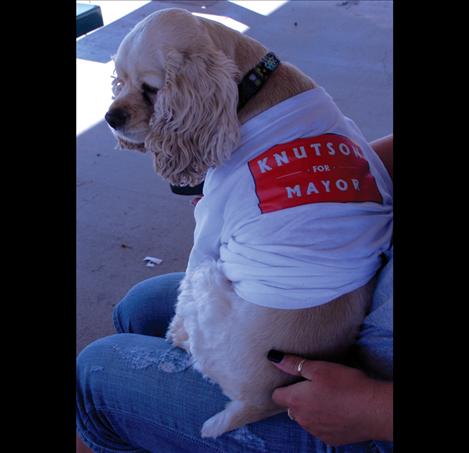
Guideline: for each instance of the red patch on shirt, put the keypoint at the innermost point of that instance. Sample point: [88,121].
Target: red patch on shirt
[323,169]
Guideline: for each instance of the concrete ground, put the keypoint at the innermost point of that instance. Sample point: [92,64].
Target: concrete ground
[125,212]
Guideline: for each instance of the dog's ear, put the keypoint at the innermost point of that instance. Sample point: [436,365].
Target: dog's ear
[195,123]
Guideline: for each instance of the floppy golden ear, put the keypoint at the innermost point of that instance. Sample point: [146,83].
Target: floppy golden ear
[195,123]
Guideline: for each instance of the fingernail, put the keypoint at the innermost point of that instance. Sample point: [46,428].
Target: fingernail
[275,356]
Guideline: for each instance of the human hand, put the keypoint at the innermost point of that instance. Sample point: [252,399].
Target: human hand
[337,404]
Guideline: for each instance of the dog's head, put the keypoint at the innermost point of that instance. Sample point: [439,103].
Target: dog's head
[176,95]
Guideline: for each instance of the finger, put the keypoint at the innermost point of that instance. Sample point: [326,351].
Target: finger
[289,364]
[281,396]
[291,395]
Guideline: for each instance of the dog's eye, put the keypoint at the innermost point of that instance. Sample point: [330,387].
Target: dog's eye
[148,93]
[117,85]
[148,89]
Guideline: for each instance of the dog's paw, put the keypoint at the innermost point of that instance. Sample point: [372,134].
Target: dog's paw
[181,341]
[214,426]
[169,336]
[235,415]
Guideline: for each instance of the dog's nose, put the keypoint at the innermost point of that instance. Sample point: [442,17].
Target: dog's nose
[116,118]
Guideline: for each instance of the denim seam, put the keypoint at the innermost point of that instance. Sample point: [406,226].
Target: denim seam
[98,448]
[84,431]
[167,428]
[116,321]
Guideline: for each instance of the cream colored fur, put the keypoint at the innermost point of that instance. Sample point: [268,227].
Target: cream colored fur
[189,125]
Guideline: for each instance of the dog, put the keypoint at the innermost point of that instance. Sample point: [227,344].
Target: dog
[176,96]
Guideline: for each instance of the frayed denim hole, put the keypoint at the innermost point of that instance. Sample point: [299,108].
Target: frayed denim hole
[248,439]
[137,357]
[174,360]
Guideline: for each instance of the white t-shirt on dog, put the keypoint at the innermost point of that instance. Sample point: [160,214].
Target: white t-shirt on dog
[301,212]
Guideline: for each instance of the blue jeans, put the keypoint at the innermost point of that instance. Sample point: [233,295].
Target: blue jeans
[137,393]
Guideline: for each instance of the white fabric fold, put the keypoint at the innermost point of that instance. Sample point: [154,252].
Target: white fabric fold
[305,255]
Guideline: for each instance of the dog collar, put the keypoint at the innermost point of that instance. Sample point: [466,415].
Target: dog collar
[255,79]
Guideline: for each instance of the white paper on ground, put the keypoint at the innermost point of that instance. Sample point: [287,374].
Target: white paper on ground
[151,261]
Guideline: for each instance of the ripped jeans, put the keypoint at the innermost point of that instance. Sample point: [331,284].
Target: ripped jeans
[137,393]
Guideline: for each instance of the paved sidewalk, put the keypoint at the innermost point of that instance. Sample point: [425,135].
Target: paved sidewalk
[125,212]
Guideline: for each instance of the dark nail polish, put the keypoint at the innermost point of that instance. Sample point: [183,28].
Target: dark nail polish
[275,356]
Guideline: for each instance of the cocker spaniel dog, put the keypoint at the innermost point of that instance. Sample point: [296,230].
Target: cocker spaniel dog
[296,207]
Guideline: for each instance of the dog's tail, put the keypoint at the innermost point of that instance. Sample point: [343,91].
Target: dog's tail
[210,276]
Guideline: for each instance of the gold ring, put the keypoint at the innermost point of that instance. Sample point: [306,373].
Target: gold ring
[290,416]
[300,366]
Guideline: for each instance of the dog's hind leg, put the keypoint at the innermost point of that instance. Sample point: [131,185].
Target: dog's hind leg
[235,415]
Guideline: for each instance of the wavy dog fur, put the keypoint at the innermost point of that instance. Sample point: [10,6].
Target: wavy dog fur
[195,125]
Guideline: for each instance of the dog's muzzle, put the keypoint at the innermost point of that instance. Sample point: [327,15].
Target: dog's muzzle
[117,118]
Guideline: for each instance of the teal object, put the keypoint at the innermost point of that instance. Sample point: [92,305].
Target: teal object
[89,18]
